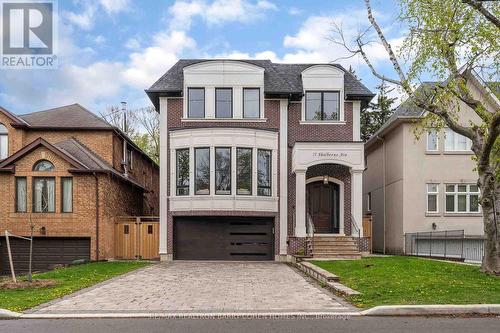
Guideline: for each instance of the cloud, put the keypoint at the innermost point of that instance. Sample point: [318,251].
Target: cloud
[294,11]
[132,44]
[85,18]
[115,6]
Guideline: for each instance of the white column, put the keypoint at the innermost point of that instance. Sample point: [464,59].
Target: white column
[164,156]
[300,203]
[357,197]
[283,176]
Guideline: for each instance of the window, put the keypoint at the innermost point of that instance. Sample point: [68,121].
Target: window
[462,198]
[4,142]
[264,172]
[43,165]
[150,229]
[251,102]
[456,142]
[66,194]
[432,140]
[21,188]
[432,198]
[182,162]
[44,195]
[130,159]
[322,105]
[244,171]
[126,229]
[222,170]
[202,171]
[369,202]
[196,102]
[223,102]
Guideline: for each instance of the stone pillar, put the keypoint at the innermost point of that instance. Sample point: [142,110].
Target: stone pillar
[357,198]
[300,203]
[164,256]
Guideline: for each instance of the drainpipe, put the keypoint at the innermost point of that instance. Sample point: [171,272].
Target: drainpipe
[96,216]
[383,188]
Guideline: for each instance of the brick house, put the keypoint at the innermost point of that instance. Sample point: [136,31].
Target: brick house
[259,160]
[64,168]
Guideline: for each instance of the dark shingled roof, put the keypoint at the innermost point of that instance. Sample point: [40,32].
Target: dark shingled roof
[278,78]
[69,116]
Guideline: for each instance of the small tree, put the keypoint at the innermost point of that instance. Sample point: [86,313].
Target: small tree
[377,114]
[451,40]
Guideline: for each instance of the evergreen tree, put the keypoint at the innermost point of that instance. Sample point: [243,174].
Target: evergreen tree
[377,113]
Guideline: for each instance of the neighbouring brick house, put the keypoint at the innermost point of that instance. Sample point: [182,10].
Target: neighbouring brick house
[64,169]
[254,154]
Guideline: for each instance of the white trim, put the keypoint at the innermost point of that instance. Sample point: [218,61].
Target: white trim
[164,174]
[300,203]
[341,120]
[357,197]
[226,120]
[356,120]
[283,148]
[326,122]
[427,141]
[307,154]
[427,193]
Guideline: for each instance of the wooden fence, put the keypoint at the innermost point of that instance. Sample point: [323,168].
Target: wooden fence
[137,237]
[367,230]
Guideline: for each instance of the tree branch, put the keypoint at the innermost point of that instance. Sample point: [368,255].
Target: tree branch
[477,5]
[494,132]
[370,65]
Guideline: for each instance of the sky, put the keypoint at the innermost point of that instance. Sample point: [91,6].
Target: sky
[111,50]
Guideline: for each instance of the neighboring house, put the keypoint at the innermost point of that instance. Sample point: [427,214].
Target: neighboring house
[249,150]
[64,171]
[420,185]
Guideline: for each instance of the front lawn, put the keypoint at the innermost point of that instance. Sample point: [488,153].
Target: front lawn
[410,280]
[68,281]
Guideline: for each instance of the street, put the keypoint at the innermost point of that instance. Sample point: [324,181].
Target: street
[359,324]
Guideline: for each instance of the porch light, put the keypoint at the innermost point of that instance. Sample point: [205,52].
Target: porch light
[325,180]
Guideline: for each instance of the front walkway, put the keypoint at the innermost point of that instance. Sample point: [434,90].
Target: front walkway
[203,287]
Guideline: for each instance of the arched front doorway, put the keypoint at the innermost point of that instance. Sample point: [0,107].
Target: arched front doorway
[323,205]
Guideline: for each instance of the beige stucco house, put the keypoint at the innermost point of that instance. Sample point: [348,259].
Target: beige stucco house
[426,184]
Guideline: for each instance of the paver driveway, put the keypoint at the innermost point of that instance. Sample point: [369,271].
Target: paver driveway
[203,287]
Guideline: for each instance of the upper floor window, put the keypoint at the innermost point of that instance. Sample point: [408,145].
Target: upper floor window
[202,171]
[21,190]
[251,102]
[462,198]
[456,142]
[432,198]
[4,142]
[43,165]
[323,105]
[182,171]
[244,171]
[196,102]
[432,140]
[223,102]
[130,159]
[264,172]
[66,194]
[44,195]
[222,170]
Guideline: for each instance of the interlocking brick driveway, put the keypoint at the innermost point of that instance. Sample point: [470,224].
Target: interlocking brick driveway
[203,287]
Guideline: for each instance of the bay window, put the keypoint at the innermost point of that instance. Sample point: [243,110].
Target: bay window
[182,171]
[202,171]
[44,195]
[323,105]
[244,171]
[222,170]
[264,172]
[462,198]
[432,198]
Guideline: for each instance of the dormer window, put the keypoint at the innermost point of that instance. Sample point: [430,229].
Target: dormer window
[323,105]
[223,102]
[4,142]
[196,103]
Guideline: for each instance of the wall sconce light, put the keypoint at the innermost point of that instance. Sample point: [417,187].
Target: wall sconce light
[434,226]
[325,180]
[43,231]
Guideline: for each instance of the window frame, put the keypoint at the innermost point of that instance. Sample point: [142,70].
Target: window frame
[40,161]
[251,171]
[33,196]
[62,195]
[427,141]
[209,170]
[230,170]
[429,193]
[369,202]
[215,99]
[6,135]
[188,104]
[177,186]
[270,187]
[243,102]
[467,194]
[455,138]
[130,158]
[322,92]
[17,195]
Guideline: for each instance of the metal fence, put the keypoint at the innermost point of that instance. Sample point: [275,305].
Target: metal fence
[449,244]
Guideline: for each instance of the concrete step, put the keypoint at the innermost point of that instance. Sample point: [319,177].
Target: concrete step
[329,256]
[334,244]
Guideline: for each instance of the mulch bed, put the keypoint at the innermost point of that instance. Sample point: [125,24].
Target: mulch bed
[25,284]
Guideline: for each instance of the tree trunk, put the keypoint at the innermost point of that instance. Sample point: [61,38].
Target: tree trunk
[490,204]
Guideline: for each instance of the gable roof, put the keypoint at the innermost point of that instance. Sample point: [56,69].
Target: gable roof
[72,116]
[15,119]
[279,79]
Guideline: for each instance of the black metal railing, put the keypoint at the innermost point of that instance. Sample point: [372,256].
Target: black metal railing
[310,235]
[447,244]
[356,231]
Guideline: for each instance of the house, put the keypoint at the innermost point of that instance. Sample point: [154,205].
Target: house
[63,171]
[427,184]
[254,154]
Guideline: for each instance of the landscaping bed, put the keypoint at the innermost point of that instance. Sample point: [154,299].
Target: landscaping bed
[63,281]
[410,280]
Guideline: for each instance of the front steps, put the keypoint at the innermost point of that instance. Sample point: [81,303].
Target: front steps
[333,247]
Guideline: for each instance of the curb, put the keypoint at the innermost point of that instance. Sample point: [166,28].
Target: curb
[433,310]
[6,314]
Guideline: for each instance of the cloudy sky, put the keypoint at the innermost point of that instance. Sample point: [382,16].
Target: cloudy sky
[111,50]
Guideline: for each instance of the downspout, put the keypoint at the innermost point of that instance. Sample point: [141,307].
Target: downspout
[96,216]
[383,185]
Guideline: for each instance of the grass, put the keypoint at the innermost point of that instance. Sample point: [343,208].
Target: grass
[68,281]
[410,280]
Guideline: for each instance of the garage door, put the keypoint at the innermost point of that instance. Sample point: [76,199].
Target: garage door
[47,251]
[223,238]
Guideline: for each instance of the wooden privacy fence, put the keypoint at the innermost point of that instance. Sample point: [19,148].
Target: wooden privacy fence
[367,230]
[137,237]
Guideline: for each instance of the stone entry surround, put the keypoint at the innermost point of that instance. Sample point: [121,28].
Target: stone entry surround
[203,287]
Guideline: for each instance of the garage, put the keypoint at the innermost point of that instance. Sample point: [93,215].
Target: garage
[224,238]
[47,251]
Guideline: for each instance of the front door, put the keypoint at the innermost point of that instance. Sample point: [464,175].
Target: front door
[323,204]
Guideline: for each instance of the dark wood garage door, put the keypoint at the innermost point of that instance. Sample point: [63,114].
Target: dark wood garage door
[47,251]
[223,238]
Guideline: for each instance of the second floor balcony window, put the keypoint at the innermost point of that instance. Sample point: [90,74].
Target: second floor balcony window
[322,105]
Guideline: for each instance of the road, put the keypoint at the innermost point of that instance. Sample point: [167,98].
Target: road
[360,324]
